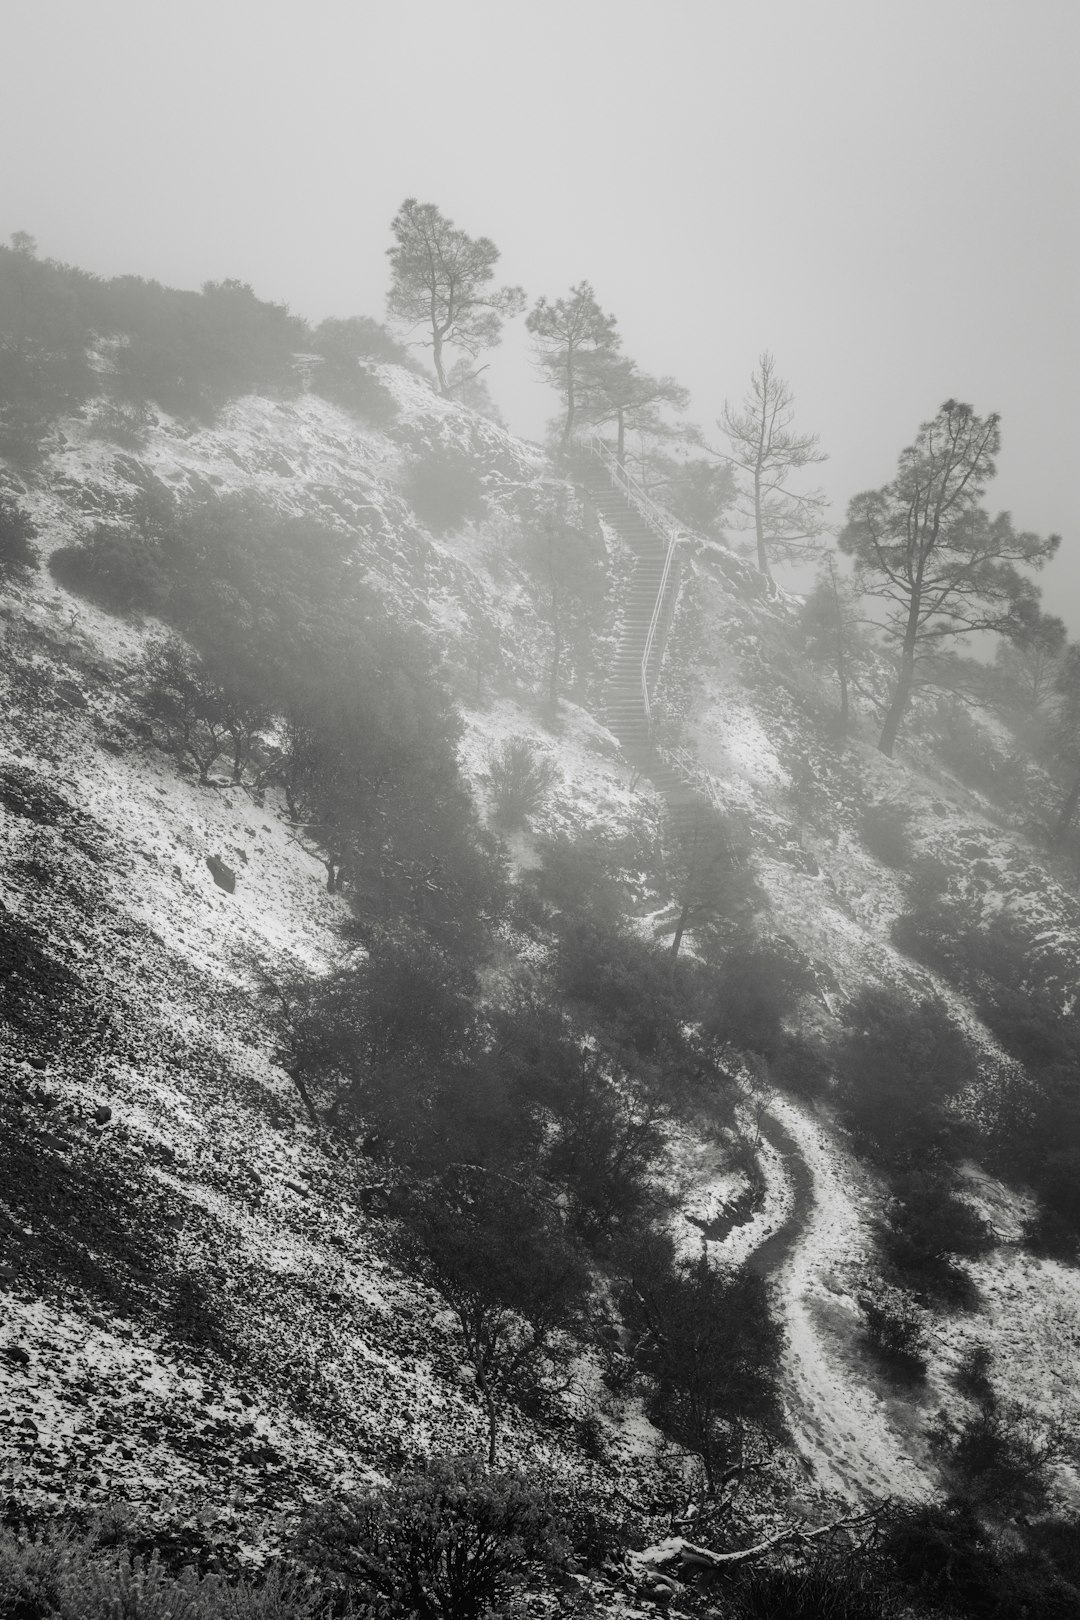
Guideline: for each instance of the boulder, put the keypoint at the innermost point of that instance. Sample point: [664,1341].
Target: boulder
[223,875]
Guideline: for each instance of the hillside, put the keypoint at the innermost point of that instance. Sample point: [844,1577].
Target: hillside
[206,1316]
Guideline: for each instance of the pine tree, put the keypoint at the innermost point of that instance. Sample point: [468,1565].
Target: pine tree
[924,545]
[441,281]
[633,402]
[575,341]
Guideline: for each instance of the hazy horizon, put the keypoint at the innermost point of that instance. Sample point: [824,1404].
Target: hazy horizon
[886,197]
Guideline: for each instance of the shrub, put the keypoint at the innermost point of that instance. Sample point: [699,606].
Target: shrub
[825,1586]
[445,491]
[114,568]
[360,338]
[44,370]
[126,568]
[750,993]
[501,1259]
[135,1589]
[925,1225]
[1001,1456]
[122,421]
[17,555]
[973,1374]
[32,1572]
[897,1066]
[192,352]
[450,1542]
[895,1333]
[585,877]
[60,1575]
[198,716]
[521,779]
[885,834]
[343,376]
[710,1346]
[970,751]
[947,1558]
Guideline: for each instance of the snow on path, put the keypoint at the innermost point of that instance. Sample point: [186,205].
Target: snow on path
[841,1429]
[809,1236]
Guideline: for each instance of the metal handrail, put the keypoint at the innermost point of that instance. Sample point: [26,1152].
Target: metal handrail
[663,525]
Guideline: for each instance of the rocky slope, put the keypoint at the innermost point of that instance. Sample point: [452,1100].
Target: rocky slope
[200,1313]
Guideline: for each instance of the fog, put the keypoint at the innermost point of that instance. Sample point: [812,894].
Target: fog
[885,195]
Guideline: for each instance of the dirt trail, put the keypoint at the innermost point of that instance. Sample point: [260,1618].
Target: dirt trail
[772,1252]
[841,1428]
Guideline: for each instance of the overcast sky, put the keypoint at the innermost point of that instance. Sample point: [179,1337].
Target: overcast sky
[886,193]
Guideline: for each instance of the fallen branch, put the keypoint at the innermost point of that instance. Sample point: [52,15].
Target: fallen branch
[682,1557]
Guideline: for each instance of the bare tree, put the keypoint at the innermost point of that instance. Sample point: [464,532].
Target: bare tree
[441,280]
[924,546]
[766,450]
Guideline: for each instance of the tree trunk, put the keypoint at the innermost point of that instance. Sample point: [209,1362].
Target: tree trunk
[492,1417]
[568,425]
[1067,811]
[436,355]
[296,1076]
[620,445]
[897,709]
[759,527]
[680,930]
[905,681]
[841,649]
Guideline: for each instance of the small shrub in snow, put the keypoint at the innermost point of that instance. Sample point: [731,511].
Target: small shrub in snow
[344,378]
[445,491]
[709,1346]
[897,1065]
[970,750]
[453,1542]
[122,421]
[821,1586]
[973,1374]
[61,1576]
[895,1333]
[949,1561]
[126,568]
[521,779]
[925,1225]
[1001,1456]
[198,716]
[885,834]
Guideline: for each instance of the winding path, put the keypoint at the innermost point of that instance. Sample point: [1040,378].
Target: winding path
[841,1429]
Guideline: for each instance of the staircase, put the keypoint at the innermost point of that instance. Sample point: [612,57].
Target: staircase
[653,536]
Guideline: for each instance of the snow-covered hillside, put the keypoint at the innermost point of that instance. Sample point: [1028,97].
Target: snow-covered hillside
[254,1341]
